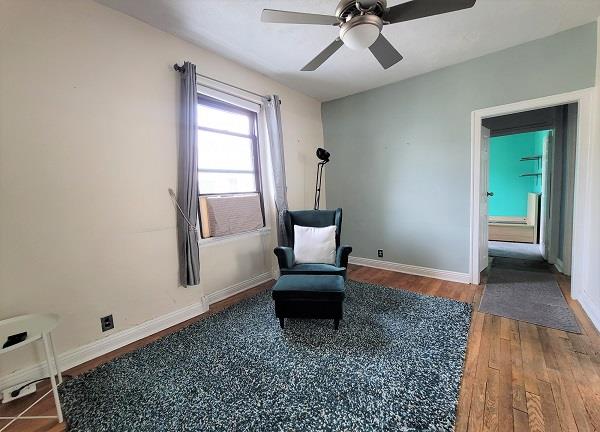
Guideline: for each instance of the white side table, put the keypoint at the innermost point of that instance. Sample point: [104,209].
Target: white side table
[38,327]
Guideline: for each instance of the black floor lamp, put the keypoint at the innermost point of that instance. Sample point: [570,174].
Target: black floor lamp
[323,156]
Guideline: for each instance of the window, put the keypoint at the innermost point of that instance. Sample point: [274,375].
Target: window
[228,169]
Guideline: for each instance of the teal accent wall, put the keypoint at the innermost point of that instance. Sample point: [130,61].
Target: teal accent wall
[510,190]
[401,153]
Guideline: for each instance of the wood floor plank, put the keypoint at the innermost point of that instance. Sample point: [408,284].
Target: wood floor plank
[549,411]
[529,359]
[494,361]
[581,343]
[505,331]
[466,293]
[468,381]
[588,371]
[401,281]
[477,294]
[588,383]
[456,291]
[540,362]
[490,413]
[514,331]
[505,405]
[438,288]
[571,390]
[534,410]
[557,333]
[582,418]
[479,388]
[561,401]
[547,352]
[521,421]
[519,399]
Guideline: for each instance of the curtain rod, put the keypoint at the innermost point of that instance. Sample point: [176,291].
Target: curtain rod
[181,69]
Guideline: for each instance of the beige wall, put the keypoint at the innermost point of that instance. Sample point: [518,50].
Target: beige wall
[88,135]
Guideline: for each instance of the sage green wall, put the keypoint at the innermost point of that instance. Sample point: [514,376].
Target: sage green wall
[509,188]
[401,153]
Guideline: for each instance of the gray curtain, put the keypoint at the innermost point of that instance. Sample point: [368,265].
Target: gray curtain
[273,117]
[187,180]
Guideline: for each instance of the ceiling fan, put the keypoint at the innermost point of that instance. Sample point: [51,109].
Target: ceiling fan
[361,21]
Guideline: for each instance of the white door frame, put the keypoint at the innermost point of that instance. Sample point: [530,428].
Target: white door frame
[583,171]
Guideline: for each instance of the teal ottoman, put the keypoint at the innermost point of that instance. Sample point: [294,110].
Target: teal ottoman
[309,296]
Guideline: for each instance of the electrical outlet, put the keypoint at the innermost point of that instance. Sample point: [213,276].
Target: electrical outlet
[380,253]
[107,323]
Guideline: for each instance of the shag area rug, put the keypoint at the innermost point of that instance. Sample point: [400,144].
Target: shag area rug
[395,364]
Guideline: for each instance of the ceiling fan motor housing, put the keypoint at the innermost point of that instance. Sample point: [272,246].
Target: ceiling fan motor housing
[347,9]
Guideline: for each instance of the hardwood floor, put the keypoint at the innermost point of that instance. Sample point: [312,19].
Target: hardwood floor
[517,376]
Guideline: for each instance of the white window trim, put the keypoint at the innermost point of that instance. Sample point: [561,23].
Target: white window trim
[208,88]
[253,104]
[264,231]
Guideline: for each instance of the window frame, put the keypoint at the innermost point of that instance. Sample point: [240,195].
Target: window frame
[203,99]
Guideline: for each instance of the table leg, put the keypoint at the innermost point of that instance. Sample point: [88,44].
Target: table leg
[52,378]
[56,365]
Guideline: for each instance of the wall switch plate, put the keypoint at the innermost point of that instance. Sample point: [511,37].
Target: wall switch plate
[107,323]
[27,390]
[380,253]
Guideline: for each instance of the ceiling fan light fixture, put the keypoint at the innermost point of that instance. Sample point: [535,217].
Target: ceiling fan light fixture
[361,31]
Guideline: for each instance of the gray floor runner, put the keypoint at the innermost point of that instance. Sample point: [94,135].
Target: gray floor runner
[525,295]
[520,264]
[524,251]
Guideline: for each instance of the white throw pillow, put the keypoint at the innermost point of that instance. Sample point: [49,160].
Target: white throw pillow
[314,245]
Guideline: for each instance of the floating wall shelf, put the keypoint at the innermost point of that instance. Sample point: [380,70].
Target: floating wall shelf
[530,158]
[538,159]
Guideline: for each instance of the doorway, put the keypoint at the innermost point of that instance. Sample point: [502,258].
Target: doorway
[580,198]
[528,158]
[517,173]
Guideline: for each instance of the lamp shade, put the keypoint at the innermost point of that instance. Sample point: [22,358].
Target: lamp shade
[323,154]
[361,31]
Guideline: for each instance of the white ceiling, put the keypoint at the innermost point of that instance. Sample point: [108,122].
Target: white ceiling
[233,29]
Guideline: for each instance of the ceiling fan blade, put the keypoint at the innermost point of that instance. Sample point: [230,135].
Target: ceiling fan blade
[384,52]
[323,55]
[423,8]
[286,17]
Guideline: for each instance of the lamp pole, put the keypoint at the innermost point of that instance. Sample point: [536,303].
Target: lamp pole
[324,156]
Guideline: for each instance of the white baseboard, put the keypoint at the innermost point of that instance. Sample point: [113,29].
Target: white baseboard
[114,341]
[107,344]
[413,270]
[591,309]
[239,287]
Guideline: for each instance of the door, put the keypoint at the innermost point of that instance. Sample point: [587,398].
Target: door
[484,194]
[545,225]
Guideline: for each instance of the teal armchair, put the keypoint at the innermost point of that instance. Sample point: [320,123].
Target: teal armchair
[318,219]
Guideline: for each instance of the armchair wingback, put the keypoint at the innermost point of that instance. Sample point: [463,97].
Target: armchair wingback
[318,219]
